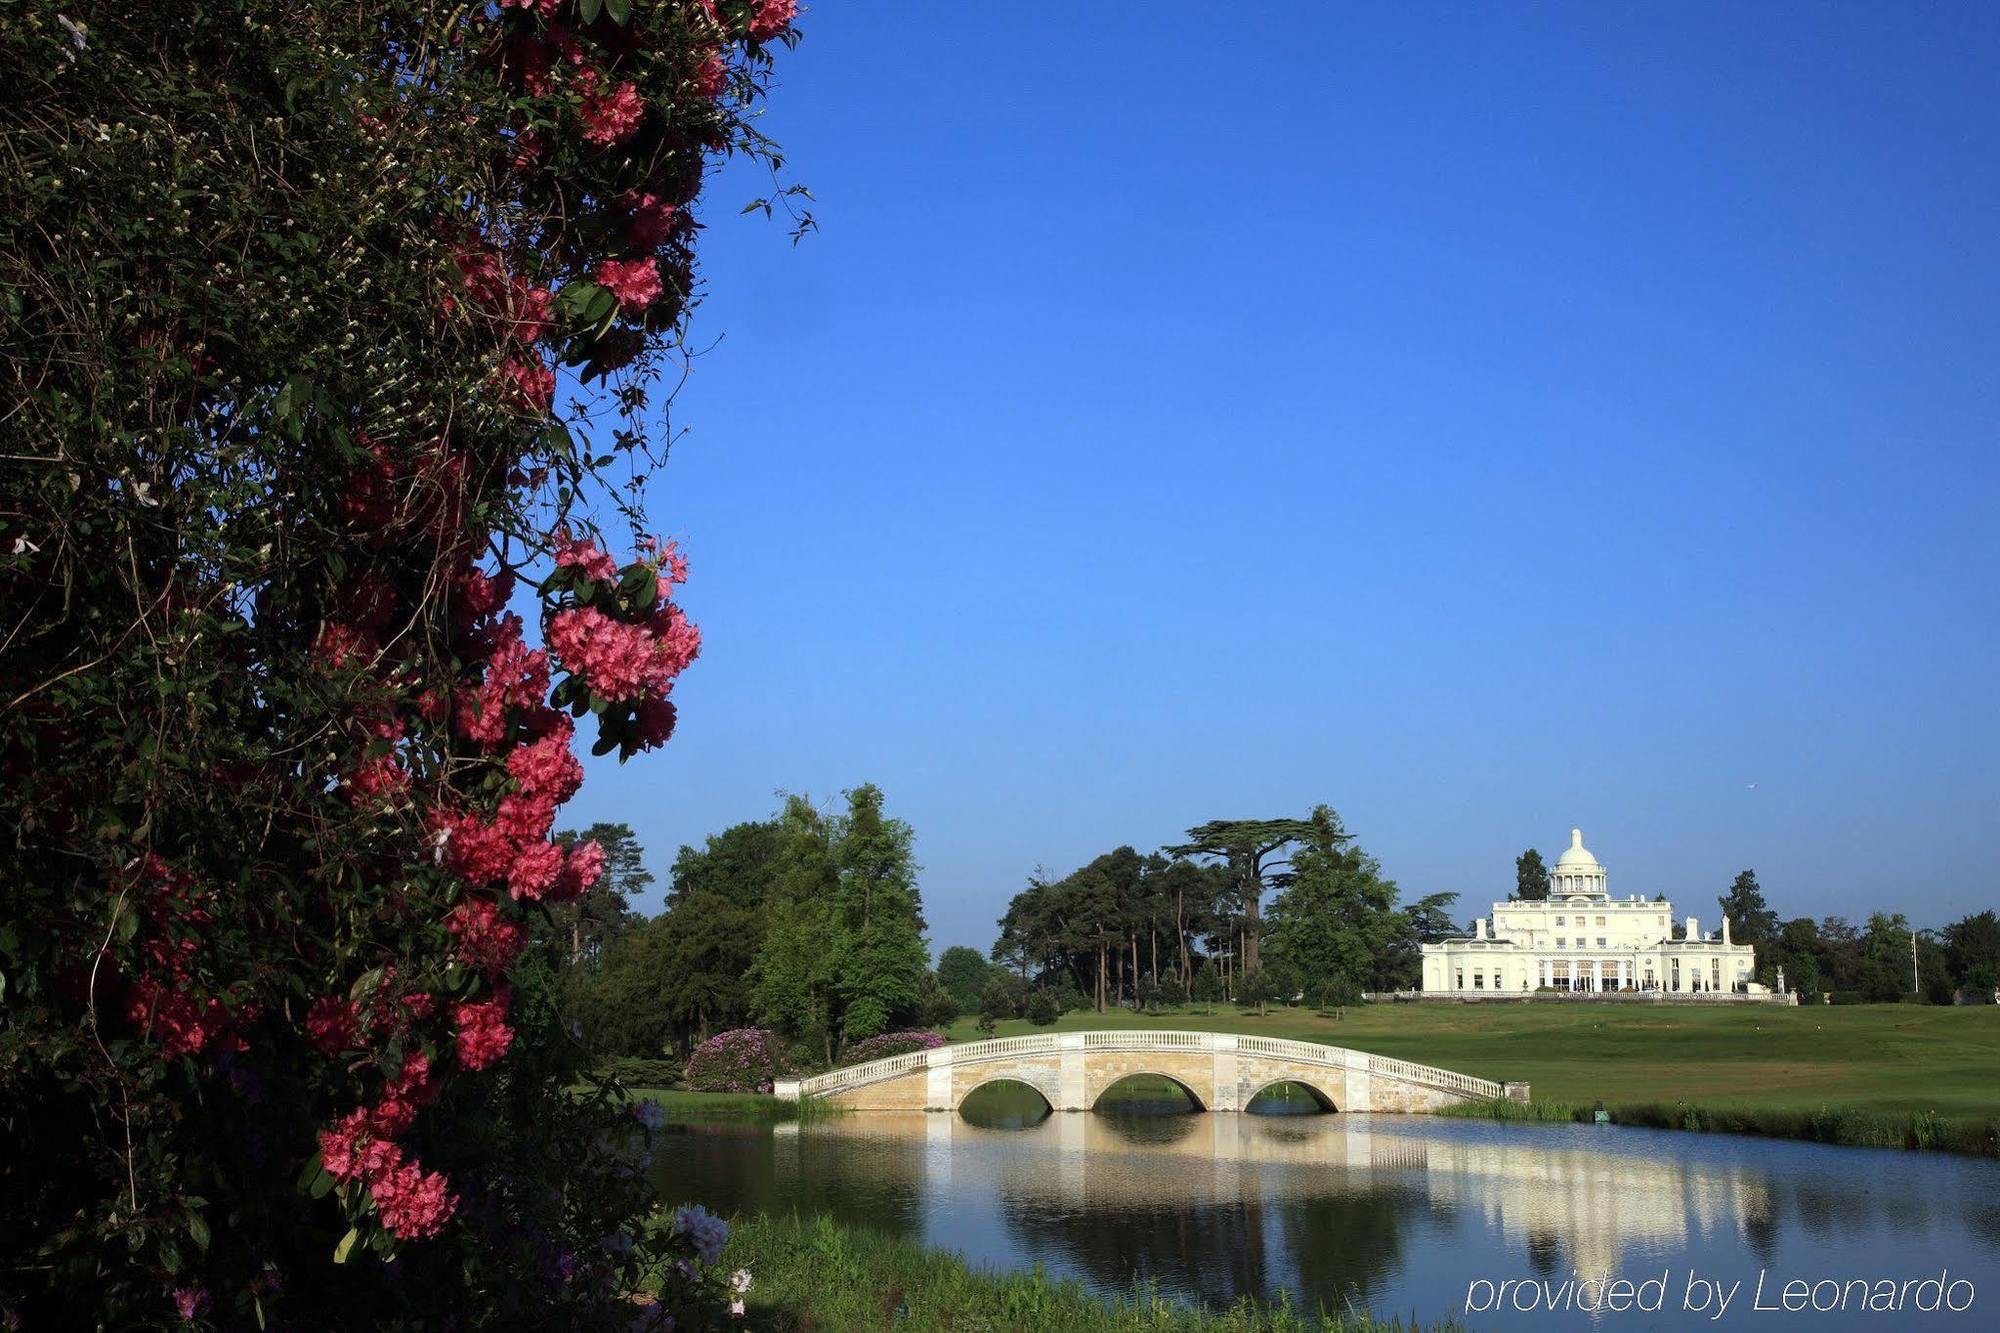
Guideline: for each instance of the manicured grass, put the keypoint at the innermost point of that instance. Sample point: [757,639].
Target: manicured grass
[1891,1060]
[1974,1135]
[753,1105]
[814,1274]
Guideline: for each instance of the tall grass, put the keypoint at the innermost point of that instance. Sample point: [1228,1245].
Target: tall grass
[815,1274]
[1845,1126]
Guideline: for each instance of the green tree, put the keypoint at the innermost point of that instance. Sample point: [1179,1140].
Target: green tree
[1043,1010]
[996,1003]
[1207,988]
[963,973]
[739,864]
[1797,952]
[1336,918]
[883,955]
[1886,957]
[1531,877]
[1972,950]
[936,1006]
[1751,920]
[1249,848]
[844,957]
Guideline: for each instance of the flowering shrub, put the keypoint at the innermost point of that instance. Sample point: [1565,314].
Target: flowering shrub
[890,1043]
[740,1060]
[306,591]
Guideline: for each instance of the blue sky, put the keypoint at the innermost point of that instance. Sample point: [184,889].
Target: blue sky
[1482,419]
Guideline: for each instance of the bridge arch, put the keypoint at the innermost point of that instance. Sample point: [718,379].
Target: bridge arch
[1002,1074]
[1319,1094]
[1105,1082]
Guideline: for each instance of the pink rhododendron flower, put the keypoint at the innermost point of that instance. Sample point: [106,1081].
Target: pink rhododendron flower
[612,117]
[341,645]
[657,716]
[582,867]
[528,385]
[635,282]
[351,1151]
[485,594]
[414,1203]
[583,554]
[546,767]
[534,870]
[768,18]
[332,1024]
[712,77]
[483,1034]
[529,312]
[487,939]
[617,659]
[652,219]
[517,678]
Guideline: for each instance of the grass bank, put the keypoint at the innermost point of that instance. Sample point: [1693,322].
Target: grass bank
[1891,1061]
[1848,1127]
[814,1274]
[684,1105]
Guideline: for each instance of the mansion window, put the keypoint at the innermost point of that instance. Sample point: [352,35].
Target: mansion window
[1559,921]
[1600,921]
[1600,938]
[1561,943]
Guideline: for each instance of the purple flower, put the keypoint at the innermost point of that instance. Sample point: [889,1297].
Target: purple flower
[191,1302]
[708,1232]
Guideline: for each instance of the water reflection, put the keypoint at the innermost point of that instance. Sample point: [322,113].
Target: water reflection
[1390,1213]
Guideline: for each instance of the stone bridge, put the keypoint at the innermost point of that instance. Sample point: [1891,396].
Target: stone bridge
[1218,1071]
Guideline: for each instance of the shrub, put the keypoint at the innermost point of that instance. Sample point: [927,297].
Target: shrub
[288,286]
[884,1044]
[638,1071]
[1042,1007]
[740,1060]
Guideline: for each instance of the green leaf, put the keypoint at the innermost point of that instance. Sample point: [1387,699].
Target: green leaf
[587,10]
[601,306]
[575,297]
[198,1229]
[619,10]
[341,1250]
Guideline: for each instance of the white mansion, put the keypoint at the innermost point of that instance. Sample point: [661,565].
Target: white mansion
[1582,939]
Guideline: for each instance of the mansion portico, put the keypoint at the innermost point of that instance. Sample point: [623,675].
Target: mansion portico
[1582,939]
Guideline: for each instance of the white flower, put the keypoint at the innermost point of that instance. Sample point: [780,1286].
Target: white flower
[651,1114]
[739,1281]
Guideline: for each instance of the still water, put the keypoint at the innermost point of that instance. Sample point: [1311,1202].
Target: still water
[1387,1213]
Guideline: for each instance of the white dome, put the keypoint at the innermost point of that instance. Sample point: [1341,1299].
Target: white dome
[1578,857]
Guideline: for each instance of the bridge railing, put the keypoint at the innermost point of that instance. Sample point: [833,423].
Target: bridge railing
[1451,1081]
[1048,1043]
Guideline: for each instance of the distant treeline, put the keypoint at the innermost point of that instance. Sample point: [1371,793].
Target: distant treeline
[810,923]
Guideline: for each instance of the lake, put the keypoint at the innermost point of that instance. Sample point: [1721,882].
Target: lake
[1388,1213]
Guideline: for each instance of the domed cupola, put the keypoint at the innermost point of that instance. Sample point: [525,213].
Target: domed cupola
[1577,873]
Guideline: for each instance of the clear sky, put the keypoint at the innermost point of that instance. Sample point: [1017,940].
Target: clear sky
[1481,418]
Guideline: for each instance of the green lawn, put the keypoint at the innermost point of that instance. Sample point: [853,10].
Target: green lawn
[681,1103]
[1872,1058]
